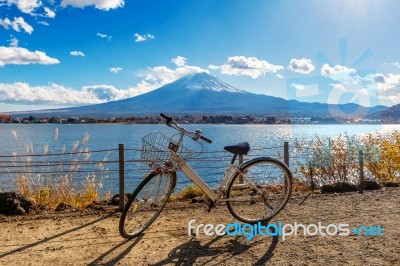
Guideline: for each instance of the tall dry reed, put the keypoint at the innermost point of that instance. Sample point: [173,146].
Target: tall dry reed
[58,176]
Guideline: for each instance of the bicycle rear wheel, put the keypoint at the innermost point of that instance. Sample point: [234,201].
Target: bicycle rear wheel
[146,203]
[260,191]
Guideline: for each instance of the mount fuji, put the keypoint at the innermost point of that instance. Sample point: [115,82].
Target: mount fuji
[202,93]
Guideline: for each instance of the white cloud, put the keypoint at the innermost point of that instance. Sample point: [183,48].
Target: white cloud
[34,8]
[179,61]
[249,66]
[305,90]
[299,87]
[339,87]
[302,66]
[142,38]
[76,53]
[364,92]
[25,6]
[17,24]
[20,93]
[49,13]
[339,73]
[53,94]
[280,76]
[43,23]
[341,92]
[106,93]
[395,64]
[13,41]
[388,87]
[371,89]
[213,67]
[115,69]
[99,4]
[336,70]
[22,56]
[103,93]
[104,36]
[162,75]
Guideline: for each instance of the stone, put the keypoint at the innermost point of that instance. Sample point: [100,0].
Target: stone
[339,187]
[369,185]
[198,200]
[115,199]
[390,184]
[12,203]
[63,207]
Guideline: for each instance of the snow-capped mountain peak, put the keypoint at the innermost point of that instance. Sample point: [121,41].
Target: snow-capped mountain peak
[204,81]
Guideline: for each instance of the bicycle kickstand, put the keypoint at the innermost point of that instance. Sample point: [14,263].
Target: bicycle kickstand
[208,204]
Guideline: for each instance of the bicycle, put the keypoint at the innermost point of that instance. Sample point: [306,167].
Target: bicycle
[254,191]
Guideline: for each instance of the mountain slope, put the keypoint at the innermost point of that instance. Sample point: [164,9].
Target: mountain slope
[205,94]
[391,114]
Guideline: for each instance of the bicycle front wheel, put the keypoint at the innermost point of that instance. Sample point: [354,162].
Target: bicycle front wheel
[259,191]
[146,203]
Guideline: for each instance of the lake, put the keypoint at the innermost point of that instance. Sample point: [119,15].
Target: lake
[103,140]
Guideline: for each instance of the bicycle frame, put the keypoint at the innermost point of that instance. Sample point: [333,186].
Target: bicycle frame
[192,175]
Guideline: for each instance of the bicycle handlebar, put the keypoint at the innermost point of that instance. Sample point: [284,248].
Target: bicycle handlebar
[171,122]
[209,141]
[168,118]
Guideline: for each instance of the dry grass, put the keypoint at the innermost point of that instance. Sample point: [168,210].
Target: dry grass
[49,184]
[189,192]
[300,185]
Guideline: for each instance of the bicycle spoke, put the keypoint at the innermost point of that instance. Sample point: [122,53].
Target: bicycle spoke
[146,203]
[260,191]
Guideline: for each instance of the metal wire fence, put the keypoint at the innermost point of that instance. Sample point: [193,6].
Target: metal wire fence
[121,169]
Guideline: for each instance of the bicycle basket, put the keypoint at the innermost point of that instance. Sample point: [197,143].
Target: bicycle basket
[155,149]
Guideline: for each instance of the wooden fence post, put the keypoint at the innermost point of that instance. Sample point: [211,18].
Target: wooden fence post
[311,175]
[361,165]
[286,152]
[121,152]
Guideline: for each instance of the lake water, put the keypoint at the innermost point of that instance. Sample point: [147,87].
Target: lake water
[103,142]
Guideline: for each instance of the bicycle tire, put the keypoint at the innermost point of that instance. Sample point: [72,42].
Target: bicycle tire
[270,176]
[136,218]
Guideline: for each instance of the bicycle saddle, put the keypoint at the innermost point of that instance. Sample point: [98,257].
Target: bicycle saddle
[240,148]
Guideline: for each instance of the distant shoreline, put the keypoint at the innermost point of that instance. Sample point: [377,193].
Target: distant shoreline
[200,119]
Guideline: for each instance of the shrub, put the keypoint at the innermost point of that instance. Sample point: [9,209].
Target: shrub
[329,160]
[336,160]
[382,155]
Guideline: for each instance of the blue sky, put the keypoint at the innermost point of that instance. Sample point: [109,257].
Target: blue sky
[78,52]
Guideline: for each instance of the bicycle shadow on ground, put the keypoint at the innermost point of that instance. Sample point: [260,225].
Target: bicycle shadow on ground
[47,239]
[215,253]
[115,254]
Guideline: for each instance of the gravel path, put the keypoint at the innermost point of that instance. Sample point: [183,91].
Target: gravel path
[93,239]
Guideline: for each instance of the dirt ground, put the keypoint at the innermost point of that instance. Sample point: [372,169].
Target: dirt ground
[92,238]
